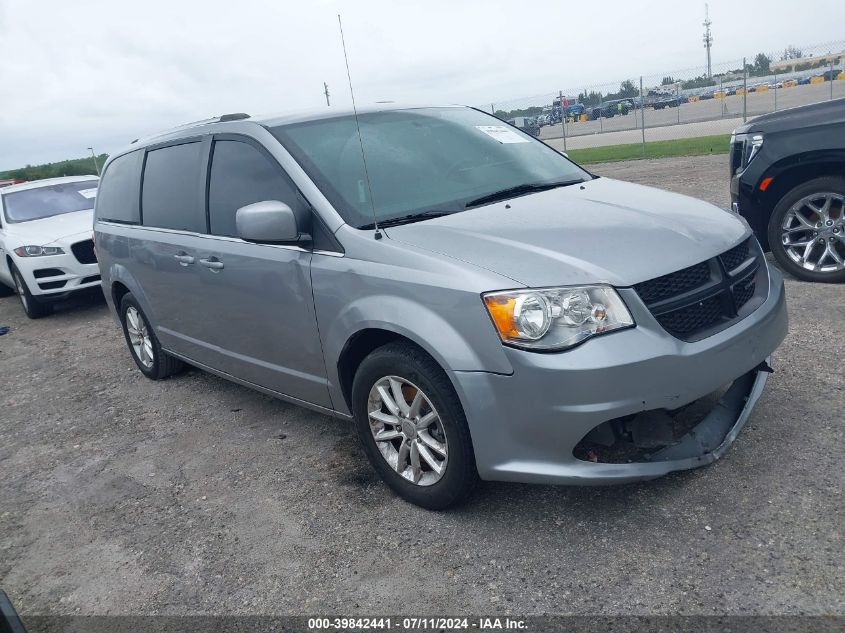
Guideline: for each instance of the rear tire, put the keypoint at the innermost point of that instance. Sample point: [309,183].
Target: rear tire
[33,308]
[800,217]
[454,475]
[146,351]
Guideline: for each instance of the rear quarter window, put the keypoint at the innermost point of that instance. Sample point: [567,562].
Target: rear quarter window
[171,196]
[117,198]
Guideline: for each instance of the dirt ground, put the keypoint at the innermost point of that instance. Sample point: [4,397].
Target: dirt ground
[119,495]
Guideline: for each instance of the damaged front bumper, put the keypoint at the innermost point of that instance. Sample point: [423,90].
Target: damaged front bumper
[528,426]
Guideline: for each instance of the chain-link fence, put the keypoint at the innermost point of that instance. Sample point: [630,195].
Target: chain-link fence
[680,104]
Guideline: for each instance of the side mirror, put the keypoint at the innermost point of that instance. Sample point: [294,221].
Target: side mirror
[267,221]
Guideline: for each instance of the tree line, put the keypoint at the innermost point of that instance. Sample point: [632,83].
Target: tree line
[71,167]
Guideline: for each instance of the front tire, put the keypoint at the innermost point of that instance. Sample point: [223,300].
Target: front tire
[33,308]
[412,427]
[143,344]
[807,230]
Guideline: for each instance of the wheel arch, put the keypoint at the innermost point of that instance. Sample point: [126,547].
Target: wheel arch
[121,282]
[365,341]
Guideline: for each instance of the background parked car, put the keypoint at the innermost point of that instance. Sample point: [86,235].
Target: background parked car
[787,180]
[46,250]
[527,124]
[575,110]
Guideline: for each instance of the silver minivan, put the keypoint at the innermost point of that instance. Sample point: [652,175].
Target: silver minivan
[480,306]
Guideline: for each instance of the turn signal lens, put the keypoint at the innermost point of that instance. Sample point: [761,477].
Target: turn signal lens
[501,310]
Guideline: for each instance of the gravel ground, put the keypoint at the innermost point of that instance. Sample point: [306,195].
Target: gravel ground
[193,495]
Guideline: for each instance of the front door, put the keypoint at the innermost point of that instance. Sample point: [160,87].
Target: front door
[253,312]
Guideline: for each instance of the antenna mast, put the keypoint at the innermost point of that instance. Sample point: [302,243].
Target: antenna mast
[358,127]
[708,39]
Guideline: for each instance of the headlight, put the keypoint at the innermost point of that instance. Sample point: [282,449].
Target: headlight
[753,147]
[38,251]
[556,318]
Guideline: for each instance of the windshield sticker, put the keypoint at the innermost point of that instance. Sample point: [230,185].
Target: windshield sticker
[501,133]
[88,193]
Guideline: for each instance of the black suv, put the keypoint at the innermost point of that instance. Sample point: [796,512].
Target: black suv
[788,181]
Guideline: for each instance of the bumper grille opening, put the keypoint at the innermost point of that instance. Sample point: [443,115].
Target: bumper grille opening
[47,272]
[84,252]
[52,285]
[88,280]
[703,299]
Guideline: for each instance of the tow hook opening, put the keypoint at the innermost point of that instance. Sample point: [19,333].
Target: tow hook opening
[691,431]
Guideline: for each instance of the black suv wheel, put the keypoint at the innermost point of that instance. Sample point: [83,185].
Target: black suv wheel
[807,230]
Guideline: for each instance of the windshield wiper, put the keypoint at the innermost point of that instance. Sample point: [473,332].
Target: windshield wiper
[520,190]
[407,219]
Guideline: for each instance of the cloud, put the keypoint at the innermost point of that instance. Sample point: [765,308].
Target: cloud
[101,73]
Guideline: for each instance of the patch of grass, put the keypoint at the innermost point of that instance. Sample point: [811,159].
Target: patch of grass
[717,144]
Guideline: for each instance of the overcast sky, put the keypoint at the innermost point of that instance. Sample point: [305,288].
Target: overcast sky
[100,73]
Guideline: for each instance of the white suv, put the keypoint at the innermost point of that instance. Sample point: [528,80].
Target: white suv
[46,245]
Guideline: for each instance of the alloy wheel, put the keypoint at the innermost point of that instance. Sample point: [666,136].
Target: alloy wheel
[139,337]
[813,232]
[407,430]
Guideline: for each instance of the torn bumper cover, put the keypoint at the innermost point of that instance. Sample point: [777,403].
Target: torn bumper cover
[654,437]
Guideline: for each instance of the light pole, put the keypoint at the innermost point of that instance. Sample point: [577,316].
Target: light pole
[96,164]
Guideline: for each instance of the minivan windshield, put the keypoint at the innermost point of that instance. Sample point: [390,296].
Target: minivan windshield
[421,162]
[50,200]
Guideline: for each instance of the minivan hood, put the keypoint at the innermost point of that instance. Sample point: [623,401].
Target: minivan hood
[48,230]
[604,231]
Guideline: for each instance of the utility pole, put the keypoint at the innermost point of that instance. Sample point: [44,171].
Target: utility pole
[326,92]
[563,120]
[642,112]
[708,39]
[96,164]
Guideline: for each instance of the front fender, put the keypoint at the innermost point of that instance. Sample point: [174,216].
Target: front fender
[461,346]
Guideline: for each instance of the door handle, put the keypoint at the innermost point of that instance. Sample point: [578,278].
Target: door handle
[184,259]
[213,263]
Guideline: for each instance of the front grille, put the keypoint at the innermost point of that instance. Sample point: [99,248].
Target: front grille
[674,283]
[743,291]
[88,280]
[735,256]
[84,252]
[693,318]
[700,300]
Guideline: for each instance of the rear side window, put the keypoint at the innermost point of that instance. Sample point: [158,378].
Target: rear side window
[117,199]
[171,198]
[241,175]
